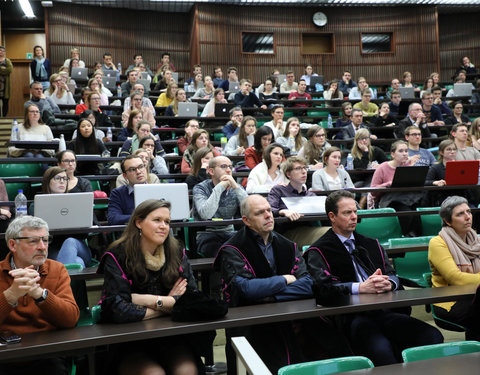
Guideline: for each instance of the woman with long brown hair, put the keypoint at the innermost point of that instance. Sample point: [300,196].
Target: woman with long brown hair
[238,143]
[199,140]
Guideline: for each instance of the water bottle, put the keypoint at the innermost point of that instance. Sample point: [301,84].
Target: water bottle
[292,143]
[223,142]
[329,120]
[62,145]
[191,88]
[119,91]
[318,87]
[20,204]
[119,67]
[185,86]
[349,162]
[15,136]
[109,134]
[374,93]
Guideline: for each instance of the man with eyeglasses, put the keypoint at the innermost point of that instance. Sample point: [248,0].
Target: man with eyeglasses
[419,156]
[122,200]
[289,85]
[433,114]
[415,117]
[302,233]
[217,198]
[40,100]
[233,126]
[36,294]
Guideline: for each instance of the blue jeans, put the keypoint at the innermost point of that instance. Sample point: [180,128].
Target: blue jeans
[38,155]
[74,251]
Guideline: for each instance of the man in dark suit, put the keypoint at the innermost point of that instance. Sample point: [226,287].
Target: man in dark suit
[343,262]
[349,131]
[415,117]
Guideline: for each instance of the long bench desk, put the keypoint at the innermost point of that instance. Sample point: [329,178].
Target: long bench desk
[81,338]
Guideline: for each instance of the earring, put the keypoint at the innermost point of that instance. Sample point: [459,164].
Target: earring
[140,232]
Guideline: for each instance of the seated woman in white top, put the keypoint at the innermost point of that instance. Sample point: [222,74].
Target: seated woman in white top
[332,176]
[205,92]
[268,173]
[32,129]
[98,76]
[96,86]
[74,54]
[332,92]
[218,97]
[238,143]
[58,91]
[292,137]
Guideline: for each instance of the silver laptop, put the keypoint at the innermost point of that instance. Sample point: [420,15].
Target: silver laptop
[462,89]
[145,84]
[306,205]
[281,78]
[187,109]
[407,92]
[110,73]
[175,76]
[65,211]
[233,87]
[80,73]
[144,75]
[176,194]
[110,82]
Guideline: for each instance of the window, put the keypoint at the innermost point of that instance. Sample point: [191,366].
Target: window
[377,42]
[257,43]
[318,43]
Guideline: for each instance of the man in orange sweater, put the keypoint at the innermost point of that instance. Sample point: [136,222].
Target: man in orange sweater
[36,291]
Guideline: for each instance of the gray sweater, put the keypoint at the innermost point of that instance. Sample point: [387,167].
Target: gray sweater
[215,202]
[319,179]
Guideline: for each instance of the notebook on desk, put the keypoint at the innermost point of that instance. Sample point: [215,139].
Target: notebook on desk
[410,176]
[314,205]
[223,109]
[65,211]
[462,172]
[187,109]
[175,193]
[80,73]
[407,92]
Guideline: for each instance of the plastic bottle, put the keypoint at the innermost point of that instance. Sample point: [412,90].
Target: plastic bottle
[20,204]
[223,142]
[109,134]
[15,136]
[185,86]
[191,88]
[349,162]
[119,91]
[329,120]
[119,67]
[62,145]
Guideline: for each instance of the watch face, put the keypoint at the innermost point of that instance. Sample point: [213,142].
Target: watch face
[320,19]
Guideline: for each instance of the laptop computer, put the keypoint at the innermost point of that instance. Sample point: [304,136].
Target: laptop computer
[175,76]
[462,89]
[306,205]
[175,193]
[110,73]
[281,78]
[145,83]
[407,92]
[144,75]
[109,82]
[462,172]
[187,109]
[65,211]
[316,79]
[410,176]
[80,73]
[223,109]
[234,87]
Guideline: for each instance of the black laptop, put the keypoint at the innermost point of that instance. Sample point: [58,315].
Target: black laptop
[223,109]
[410,176]
[316,79]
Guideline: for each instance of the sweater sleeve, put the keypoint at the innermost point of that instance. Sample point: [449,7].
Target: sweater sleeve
[206,203]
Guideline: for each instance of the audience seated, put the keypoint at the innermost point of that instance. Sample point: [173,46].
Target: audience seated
[368,108]
[289,85]
[246,97]
[183,142]
[199,140]
[394,103]
[166,61]
[217,76]
[101,119]
[163,83]
[231,78]
[433,115]
[218,97]
[332,176]
[95,86]
[415,117]
[197,69]
[394,86]
[346,83]
[300,95]
[156,163]
[349,131]
[474,133]
[356,92]
[145,156]
[437,100]
[48,108]
[457,117]
[143,129]
[315,146]
[205,92]
[418,156]
[459,134]
[198,173]
[333,92]
[269,92]
[427,86]
[268,173]
[254,154]
[130,124]
[59,91]
[127,86]
[74,54]
[166,98]
[407,81]
[136,103]
[137,60]
[277,124]
[346,118]
[216,198]
[308,74]
[36,293]
[232,127]
[68,160]
[238,143]
[103,90]
[466,65]
[180,97]
[292,137]
[108,62]
[384,118]
[344,262]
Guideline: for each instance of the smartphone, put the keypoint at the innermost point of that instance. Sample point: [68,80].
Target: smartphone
[9,337]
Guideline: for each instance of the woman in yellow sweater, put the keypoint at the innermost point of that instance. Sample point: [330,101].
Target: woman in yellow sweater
[454,257]
[166,98]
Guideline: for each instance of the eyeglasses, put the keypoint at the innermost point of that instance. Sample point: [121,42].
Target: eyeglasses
[415,135]
[138,99]
[34,241]
[319,135]
[34,112]
[60,179]
[68,161]
[363,138]
[148,145]
[134,169]
[225,166]
[94,98]
[304,168]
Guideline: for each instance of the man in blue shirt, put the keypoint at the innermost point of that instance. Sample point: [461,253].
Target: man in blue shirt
[418,155]
[233,126]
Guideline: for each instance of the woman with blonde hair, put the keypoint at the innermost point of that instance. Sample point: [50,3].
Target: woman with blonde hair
[180,97]
[218,97]
[59,91]
[166,98]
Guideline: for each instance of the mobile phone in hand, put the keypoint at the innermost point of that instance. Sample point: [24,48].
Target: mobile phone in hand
[9,337]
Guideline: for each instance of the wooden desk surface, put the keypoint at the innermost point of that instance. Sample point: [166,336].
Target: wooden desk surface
[80,338]
[464,364]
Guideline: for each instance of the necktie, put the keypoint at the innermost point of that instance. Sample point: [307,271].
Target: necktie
[350,245]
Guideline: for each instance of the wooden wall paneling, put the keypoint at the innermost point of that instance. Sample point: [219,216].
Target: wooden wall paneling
[20,93]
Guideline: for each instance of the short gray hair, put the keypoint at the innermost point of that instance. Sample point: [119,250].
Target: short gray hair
[446,209]
[16,227]
[245,206]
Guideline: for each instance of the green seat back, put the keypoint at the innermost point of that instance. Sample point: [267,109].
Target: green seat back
[260,123]
[289,113]
[19,169]
[409,241]
[96,186]
[440,350]
[431,224]
[411,268]
[327,366]
[318,113]
[14,187]
[218,136]
[382,228]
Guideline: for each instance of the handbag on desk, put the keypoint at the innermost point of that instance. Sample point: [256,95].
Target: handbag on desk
[195,306]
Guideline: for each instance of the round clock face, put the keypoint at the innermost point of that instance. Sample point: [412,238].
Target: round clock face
[320,19]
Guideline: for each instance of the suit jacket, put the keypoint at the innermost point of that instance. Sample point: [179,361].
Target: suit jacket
[348,132]
[405,123]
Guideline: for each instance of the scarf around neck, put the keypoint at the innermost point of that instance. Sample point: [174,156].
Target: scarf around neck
[40,70]
[466,254]
[156,260]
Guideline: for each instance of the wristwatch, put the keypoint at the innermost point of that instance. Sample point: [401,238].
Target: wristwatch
[43,297]
[159,302]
